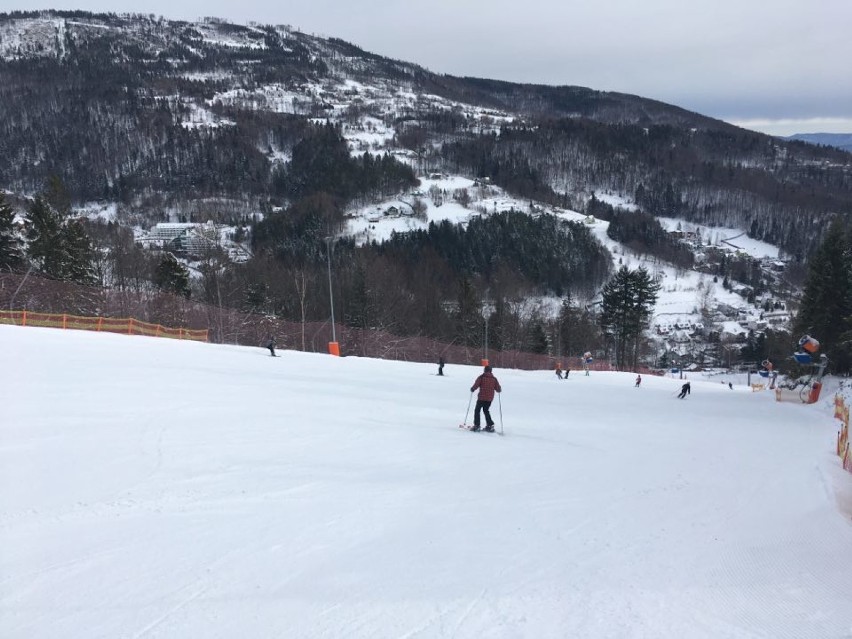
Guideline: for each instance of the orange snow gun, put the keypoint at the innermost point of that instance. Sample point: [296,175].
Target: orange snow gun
[809,344]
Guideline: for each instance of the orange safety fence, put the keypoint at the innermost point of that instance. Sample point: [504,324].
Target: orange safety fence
[127,326]
[841,412]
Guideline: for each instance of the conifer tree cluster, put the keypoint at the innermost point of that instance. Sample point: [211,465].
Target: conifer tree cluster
[627,307]
[171,276]
[321,163]
[11,249]
[56,245]
[826,311]
[645,235]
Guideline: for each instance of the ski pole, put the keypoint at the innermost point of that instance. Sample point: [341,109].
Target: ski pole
[500,407]
[468,407]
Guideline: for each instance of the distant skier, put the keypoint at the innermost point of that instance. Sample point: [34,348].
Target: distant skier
[487,385]
[441,366]
[730,385]
[638,381]
[271,345]
[559,370]
[567,370]
[684,391]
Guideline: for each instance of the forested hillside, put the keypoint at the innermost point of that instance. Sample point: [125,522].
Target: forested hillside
[145,111]
[780,193]
[285,137]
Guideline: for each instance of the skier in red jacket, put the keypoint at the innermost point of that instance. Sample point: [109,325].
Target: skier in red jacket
[487,385]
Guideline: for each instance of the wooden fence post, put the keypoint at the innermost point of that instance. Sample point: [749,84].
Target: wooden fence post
[64,321]
[24,317]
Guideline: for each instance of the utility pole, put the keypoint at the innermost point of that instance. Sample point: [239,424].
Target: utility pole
[333,347]
[486,312]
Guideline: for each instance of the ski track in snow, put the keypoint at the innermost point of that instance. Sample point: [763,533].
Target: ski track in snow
[173,489]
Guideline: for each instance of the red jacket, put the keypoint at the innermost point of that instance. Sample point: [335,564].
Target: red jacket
[487,384]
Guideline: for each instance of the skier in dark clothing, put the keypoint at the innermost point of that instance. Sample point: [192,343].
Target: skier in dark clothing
[271,346]
[487,385]
[440,366]
[684,391]
[730,385]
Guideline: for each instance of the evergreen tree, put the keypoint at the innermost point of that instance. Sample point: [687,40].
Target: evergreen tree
[469,321]
[497,324]
[78,254]
[754,350]
[578,331]
[172,276]
[43,228]
[359,311]
[57,197]
[256,299]
[58,247]
[826,311]
[320,163]
[628,301]
[538,342]
[44,236]
[11,254]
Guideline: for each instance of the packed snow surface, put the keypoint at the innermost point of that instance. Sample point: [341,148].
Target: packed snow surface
[158,488]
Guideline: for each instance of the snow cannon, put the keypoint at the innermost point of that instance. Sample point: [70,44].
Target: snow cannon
[808,344]
[767,365]
[587,357]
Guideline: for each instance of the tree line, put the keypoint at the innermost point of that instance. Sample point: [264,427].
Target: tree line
[447,282]
[779,191]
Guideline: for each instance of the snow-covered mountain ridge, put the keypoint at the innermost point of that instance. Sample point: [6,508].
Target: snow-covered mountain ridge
[840,140]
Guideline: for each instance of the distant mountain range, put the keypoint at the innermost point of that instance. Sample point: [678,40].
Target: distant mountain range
[839,140]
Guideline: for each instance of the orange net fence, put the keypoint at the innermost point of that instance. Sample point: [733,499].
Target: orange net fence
[128,326]
[841,412]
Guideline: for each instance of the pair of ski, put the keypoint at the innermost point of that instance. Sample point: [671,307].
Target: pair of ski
[481,430]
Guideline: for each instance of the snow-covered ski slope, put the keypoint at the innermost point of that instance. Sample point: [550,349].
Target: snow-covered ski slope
[157,488]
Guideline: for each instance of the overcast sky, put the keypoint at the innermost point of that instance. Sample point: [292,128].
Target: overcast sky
[779,66]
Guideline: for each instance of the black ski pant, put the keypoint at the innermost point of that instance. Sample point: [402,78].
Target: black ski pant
[482,405]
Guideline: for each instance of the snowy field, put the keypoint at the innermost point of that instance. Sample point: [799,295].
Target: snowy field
[156,488]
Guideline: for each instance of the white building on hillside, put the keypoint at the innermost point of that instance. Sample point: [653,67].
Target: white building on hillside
[192,238]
